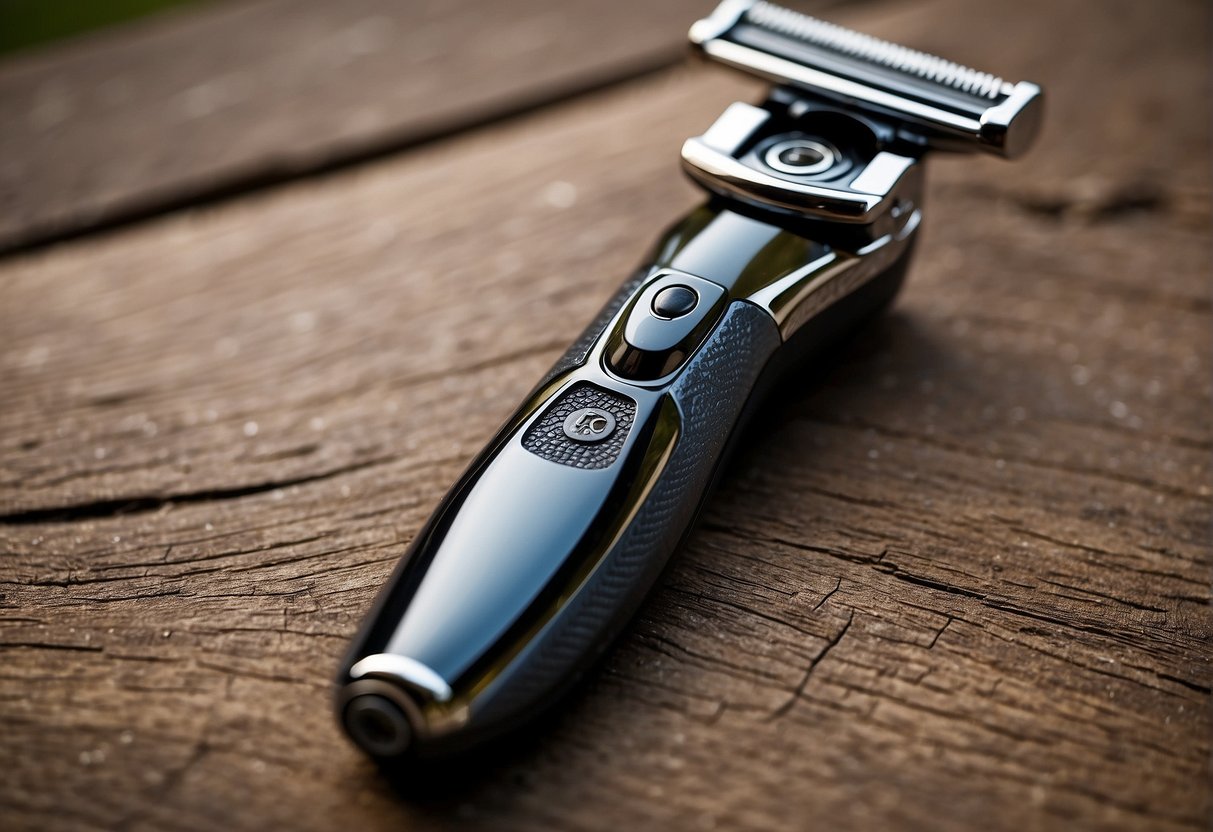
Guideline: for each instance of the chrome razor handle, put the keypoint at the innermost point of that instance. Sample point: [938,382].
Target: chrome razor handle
[548,543]
[546,546]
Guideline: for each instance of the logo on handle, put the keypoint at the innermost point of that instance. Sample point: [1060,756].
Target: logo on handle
[590,424]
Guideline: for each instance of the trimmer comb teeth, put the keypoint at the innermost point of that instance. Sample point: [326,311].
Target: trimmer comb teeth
[945,104]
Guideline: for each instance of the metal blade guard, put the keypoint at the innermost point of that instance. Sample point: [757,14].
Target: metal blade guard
[944,104]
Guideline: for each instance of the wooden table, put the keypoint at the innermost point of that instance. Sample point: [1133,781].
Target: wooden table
[274,271]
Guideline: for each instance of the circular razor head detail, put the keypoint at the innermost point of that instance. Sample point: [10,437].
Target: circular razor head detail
[802,157]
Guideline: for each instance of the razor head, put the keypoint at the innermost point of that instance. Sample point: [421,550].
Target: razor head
[809,164]
[940,103]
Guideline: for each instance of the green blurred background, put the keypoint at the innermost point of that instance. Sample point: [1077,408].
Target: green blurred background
[26,23]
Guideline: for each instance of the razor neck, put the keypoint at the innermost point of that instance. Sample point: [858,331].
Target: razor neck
[811,167]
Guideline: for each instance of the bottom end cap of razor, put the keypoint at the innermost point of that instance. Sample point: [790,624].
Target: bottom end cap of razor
[378,725]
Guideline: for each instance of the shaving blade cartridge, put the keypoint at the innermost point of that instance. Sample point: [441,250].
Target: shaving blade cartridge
[938,102]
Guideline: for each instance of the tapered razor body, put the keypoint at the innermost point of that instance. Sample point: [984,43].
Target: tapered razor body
[545,547]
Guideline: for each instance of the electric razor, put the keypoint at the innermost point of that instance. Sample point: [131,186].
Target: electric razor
[541,552]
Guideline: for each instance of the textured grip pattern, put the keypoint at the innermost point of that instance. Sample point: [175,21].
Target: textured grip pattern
[576,355]
[711,393]
[547,438]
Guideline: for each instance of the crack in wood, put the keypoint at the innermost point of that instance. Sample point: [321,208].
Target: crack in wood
[808,673]
[127,506]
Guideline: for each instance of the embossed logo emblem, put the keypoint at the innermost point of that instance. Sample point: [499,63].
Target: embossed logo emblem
[590,424]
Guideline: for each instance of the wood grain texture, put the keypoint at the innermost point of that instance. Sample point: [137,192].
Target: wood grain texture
[231,95]
[959,581]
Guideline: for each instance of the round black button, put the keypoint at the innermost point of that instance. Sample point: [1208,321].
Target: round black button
[674,302]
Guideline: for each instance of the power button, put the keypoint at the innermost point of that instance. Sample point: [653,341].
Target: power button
[664,323]
[674,302]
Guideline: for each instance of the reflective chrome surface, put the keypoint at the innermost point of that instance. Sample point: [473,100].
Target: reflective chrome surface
[802,157]
[952,106]
[857,186]
[647,347]
[546,545]
[730,177]
[518,537]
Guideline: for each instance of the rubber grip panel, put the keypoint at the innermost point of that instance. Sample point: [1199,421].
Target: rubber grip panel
[710,394]
[577,353]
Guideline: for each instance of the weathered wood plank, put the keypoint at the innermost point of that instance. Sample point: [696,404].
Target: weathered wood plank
[224,96]
[960,581]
